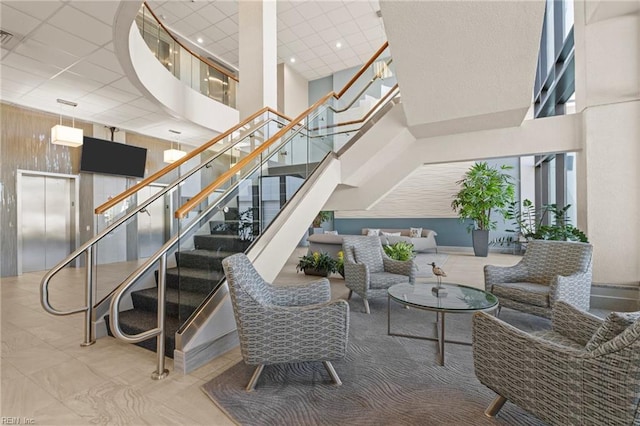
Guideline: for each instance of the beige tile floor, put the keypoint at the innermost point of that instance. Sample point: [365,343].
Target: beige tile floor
[48,379]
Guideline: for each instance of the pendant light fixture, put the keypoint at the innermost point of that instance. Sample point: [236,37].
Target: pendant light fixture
[65,135]
[173,155]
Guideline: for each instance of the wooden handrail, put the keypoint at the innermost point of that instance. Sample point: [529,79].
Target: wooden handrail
[362,70]
[202,195]
[135,188]
[365,117]
[211,64]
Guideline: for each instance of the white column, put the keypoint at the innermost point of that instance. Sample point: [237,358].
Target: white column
[608,95]
[258,56]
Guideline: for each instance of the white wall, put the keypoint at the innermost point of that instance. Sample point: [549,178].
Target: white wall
[608,95]
[293,91]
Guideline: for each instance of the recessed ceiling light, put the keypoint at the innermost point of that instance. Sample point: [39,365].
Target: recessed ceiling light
[200,40]
[338,44]
[292,60]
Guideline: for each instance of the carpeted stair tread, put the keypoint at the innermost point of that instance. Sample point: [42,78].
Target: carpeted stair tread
[136,321]
[179,303]
[202,258]
[220,242]
[193,279]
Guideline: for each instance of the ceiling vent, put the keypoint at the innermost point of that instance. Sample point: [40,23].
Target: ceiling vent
[8,41]
[379,13]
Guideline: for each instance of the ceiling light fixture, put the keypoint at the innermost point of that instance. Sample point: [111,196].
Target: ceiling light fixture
[338,45]
[200,40]
[64,135]
[292,60]
[173,155]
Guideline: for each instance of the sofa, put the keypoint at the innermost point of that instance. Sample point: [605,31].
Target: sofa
[426,241]
[332,243]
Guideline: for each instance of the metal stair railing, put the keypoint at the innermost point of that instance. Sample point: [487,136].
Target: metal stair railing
[253,161]
[88,248]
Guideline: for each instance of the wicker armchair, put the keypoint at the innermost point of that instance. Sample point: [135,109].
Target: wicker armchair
[285,324]
[369,272]
[585,371]
[548,272]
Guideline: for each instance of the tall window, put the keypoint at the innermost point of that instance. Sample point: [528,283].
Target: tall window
[554,94]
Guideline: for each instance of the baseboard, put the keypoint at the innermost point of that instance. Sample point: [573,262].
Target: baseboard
[616,297]
[186,362]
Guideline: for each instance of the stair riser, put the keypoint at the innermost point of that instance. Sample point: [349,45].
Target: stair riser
[144,302]
[196,285]
[220,242]
[190,260]
[150,344]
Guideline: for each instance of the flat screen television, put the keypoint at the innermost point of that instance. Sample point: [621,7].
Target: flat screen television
[113,158]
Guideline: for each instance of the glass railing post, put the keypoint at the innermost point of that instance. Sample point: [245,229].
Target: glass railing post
[161,372]
[89,334]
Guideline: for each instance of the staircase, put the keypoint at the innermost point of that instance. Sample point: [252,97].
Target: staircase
[197,274]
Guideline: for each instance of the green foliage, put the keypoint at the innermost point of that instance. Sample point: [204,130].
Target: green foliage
[317,260]
[340,263]
[401,250]
[485,189]
[322,216]
[529,224]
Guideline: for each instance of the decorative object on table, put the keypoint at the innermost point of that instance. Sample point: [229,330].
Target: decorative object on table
[529,224]
[587,368]
[485,189]
[285,324]
[401,250]
[369,272]
[438,290]
[317,263]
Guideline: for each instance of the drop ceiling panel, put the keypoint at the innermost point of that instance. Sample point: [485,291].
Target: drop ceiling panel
[40,10]
[95,72]
[46,54]
[101,10]
[15,21]
[53,36]
[82,25]
[31,65]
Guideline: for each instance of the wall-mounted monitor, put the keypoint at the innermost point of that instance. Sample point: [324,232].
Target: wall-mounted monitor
[113,158]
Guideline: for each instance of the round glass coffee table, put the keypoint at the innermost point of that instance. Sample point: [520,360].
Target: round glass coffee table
[452,298]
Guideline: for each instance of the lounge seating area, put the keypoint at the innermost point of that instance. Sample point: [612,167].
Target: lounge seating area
[424,240]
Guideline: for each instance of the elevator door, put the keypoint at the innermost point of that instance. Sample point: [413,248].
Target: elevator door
[152,222]
[46,220]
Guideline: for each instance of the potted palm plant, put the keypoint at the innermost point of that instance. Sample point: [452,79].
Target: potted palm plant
[484,190]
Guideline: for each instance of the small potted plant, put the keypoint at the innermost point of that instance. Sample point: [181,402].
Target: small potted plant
[484,190]
[317,263]
[340,263]
[401,250]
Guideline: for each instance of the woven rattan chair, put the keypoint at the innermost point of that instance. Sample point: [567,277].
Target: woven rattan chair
[285,324]
[585,371]
[549,271]
[369,272]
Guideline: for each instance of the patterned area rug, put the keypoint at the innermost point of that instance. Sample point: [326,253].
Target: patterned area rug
[424,260]
[386,379]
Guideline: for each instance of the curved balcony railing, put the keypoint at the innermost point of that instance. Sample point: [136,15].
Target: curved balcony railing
[201,74]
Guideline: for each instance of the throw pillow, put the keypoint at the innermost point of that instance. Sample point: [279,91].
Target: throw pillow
[614,324]
[373,232]
[371,258]
[391,234]
[415,232]
[331,232]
